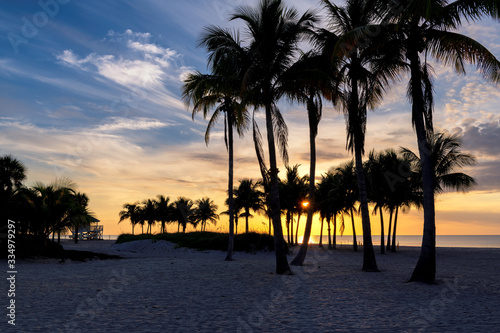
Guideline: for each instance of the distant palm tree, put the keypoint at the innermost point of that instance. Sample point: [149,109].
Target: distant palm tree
[78,214]
[205,211]
[183,211]
[349,189]
[248,197]
[164,211]
[274,33]
[149,213]
[293,191]
[425,29]
[130,212]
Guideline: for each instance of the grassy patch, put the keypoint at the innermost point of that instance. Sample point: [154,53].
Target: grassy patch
[250,242]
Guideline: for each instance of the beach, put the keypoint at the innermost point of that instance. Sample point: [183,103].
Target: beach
[157,287]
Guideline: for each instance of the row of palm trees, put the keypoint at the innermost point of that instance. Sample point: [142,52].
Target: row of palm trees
[363,48]
[41,210]
[183,211]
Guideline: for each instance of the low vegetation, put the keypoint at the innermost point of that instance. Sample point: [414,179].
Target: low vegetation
[248,242]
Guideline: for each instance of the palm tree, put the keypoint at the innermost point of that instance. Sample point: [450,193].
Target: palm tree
[78,214]
[183,211]
[219,91]
[349,188]
[205,211]
[12,175]
[274,33]
[293,191]
[164,211]
[365,74]
[248,197]
[130,212]
[424,29]
[149,214]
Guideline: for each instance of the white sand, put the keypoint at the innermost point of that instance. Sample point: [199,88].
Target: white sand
[162,289]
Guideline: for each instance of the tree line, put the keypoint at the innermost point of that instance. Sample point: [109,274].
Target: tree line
[183,211]
[42,209]
[351,60]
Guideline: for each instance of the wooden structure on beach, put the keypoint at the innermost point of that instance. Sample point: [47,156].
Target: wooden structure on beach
[90,232]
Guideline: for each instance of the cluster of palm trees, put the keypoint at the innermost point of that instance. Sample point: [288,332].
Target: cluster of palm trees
[183,211]
[40,210]
[364,47]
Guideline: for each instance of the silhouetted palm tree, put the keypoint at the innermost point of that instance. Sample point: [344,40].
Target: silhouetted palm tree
[149,213]
[78,214]
[293,191]
[12,175]
[220,91]
[183,211]
[205,211]
[427,29]
[274,33]
[164,211]
[365,74]
[248,197]
[349,189]
[130,212]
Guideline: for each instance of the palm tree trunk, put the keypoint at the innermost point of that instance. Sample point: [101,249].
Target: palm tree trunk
[425,270]
[247,212]
[133,226]
[301,256]
[230,245]
[297,229]
[391,211]
[76,234]
[329,233]
[382,242]
[291,229]
[321,233]
[279,242]
[354,240]
[334,245]
[393,248]
[288,226]
[59,236]
[369,262]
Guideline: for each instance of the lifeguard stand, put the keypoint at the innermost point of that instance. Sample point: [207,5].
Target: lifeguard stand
[91,231]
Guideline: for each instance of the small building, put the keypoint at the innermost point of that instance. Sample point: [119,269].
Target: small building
[91,231]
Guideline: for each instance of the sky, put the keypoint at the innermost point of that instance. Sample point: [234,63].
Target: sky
[91,90]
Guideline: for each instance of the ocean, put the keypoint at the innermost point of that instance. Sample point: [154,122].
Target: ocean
[484,241]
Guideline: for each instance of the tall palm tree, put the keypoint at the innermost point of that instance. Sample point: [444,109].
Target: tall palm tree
[164,211]
[248,197]
[428,29]
[274,33]
[366,74]
[130,212]
[205,211]
[220,91]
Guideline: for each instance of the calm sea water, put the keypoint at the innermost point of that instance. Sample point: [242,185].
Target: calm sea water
[486,241]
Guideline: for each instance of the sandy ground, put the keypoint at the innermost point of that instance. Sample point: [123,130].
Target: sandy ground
[159,288]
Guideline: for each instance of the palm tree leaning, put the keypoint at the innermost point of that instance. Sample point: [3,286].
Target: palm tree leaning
[274,33]
[219,91]
[425,29]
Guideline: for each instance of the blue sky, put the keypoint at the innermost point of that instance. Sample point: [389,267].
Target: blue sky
[90,90]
